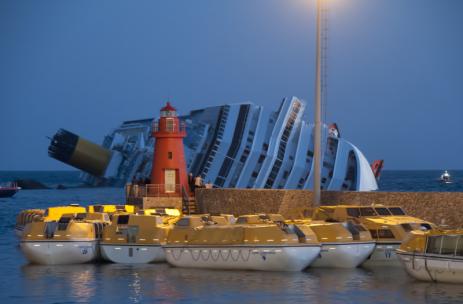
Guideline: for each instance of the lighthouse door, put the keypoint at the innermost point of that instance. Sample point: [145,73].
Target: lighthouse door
[169,180]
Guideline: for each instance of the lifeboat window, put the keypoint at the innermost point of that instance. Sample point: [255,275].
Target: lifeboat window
[354,212]
[63,223]
[407,227]
[122,219]
[242,220]
[367,211]
[425,226]
[184,222]
[434,244]
[397,211]
[120,207]
[80,216]
[382,211]
[98,208]
[385,234]
[459,250]
[449,244]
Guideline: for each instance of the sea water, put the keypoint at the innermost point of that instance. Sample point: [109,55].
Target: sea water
[21,282]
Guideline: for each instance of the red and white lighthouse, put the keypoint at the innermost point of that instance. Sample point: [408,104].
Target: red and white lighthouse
[169,172]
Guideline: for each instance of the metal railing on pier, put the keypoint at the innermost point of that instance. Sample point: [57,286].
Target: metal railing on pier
[152,190]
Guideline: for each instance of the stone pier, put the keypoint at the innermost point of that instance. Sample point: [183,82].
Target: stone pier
[443,208]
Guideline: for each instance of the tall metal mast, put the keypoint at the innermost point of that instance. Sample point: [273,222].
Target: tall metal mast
[318,111]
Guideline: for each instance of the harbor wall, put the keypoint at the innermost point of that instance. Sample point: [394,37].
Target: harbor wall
[443,208]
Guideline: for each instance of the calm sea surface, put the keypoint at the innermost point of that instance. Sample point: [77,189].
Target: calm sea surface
[113,283]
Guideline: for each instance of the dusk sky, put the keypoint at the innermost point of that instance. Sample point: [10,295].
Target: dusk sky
[395,69]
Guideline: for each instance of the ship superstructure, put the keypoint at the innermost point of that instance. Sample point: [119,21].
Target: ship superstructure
[238,145]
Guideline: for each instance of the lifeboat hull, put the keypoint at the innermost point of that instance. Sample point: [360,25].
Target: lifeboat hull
[265,258]
[383,255]
[344,255]
[18,231]
[58,253]
[133,254]
[434,268]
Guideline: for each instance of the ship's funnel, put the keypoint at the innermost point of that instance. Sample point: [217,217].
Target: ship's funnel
[79,153]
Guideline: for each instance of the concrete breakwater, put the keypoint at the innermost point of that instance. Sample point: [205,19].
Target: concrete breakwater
[443,208]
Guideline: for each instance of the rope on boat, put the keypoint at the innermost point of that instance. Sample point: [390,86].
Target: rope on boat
[427,269]
[206,255]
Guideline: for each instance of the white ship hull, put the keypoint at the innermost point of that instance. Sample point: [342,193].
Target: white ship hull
[56,252]
[383,255]
[435,268]
[344,255]
[133,254]
[266,258]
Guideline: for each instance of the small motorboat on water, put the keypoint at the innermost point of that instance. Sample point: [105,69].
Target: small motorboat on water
[446,177]
[9,189]
[435,255]
[72,240]
[215,242]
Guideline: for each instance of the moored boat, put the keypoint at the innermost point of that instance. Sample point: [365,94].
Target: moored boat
[9,189]
[48,215]
[250,244]
[343,244]
[388,225]
[135,239]
[433,255]
[73,239]
[446,177]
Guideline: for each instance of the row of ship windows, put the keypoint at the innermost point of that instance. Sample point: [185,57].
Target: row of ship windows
[234,147]
[282,147]
[218,140]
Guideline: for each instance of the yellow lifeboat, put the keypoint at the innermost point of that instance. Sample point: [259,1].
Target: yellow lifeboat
[343,244]
[72,239]
[433,255]
[136,238]
[48,215]
[388,227]
[249,244]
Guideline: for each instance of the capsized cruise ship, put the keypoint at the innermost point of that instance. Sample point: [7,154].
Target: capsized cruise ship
[238,145]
